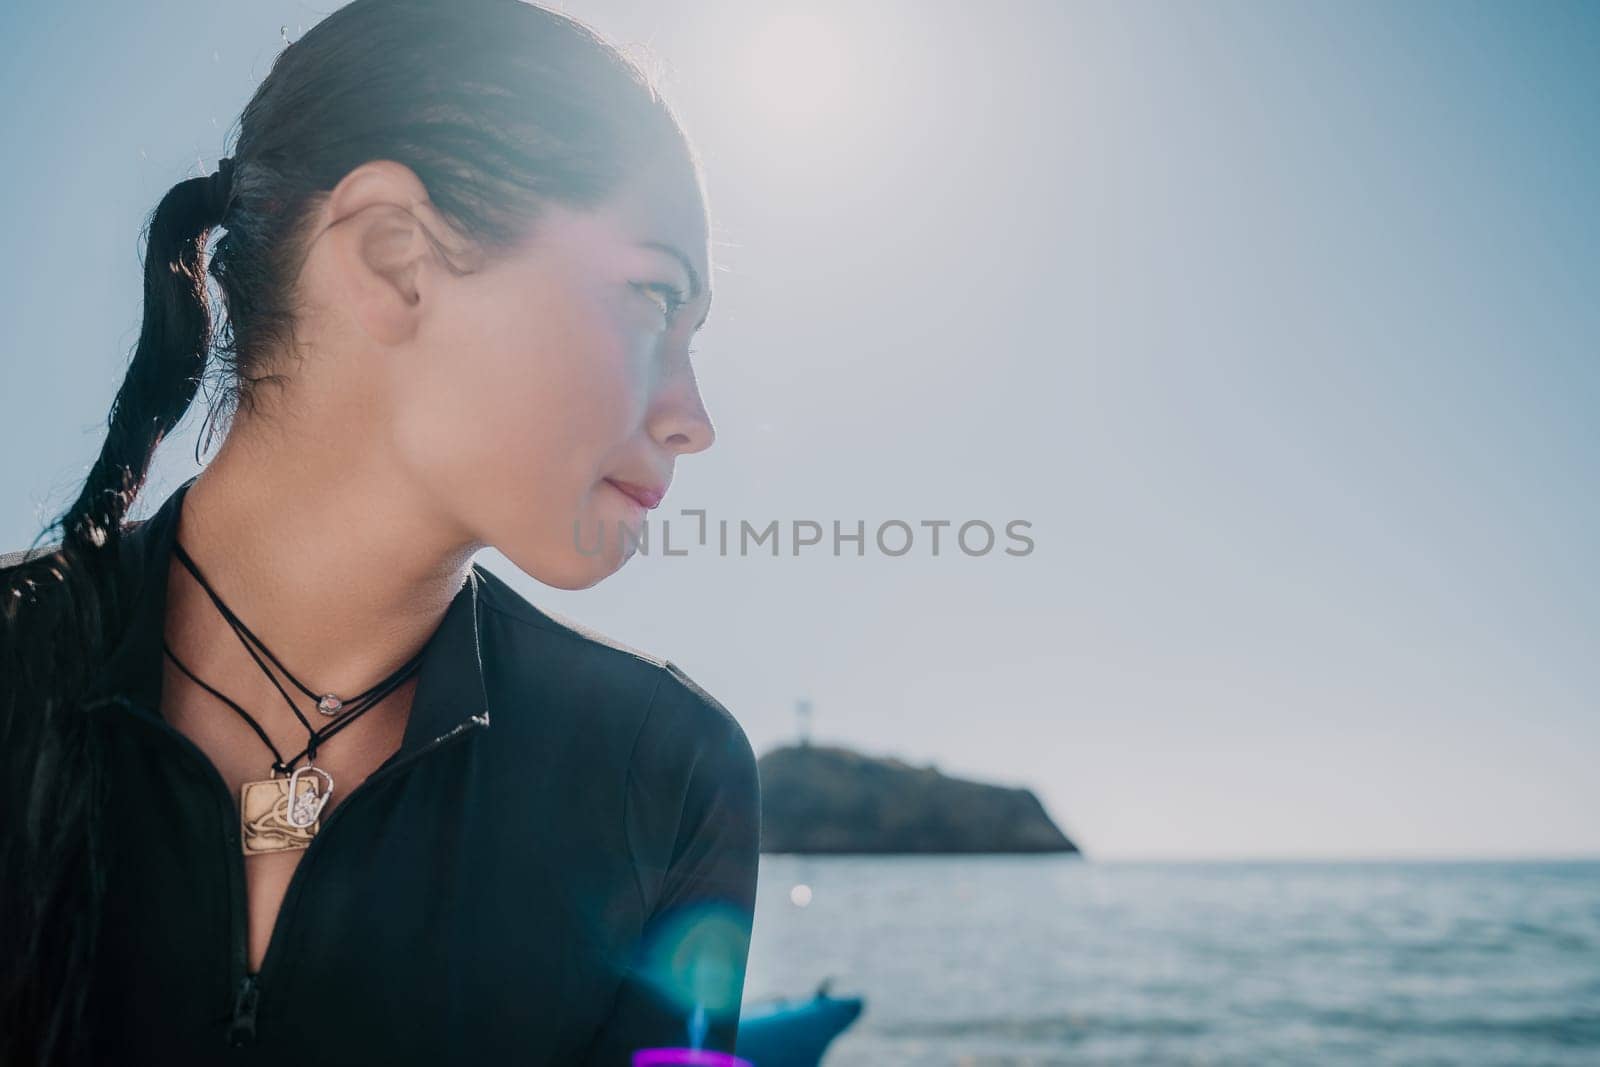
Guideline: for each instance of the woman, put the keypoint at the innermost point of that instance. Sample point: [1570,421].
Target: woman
[290,777]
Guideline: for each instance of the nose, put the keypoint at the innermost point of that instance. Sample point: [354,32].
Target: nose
[678,421]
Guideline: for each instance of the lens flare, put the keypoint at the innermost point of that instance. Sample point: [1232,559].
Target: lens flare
[696,957]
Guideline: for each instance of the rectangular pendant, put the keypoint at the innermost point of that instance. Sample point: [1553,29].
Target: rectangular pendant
[264,824]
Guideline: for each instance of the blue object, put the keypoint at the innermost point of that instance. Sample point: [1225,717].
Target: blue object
[794,1032]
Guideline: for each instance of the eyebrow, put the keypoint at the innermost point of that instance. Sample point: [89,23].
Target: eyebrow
[695,285]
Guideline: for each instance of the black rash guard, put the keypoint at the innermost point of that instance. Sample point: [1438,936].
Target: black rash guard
[558,865]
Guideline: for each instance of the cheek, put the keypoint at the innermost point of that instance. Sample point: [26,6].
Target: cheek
[524,403]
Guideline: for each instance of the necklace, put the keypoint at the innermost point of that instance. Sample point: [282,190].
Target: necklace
[283,811]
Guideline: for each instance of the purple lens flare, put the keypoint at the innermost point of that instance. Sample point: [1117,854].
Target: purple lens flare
[653,1057]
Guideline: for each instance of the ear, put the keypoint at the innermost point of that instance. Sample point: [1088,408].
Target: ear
[391,249]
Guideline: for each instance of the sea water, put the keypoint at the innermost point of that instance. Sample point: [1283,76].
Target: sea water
[1059,960]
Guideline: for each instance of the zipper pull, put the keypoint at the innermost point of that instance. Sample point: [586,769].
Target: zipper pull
[243,1030]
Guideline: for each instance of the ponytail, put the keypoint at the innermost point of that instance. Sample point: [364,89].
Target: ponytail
[61,611]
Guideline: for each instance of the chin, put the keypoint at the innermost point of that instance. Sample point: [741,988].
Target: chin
[565,559]
[572,570]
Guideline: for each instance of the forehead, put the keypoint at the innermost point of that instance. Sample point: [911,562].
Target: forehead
[664,202]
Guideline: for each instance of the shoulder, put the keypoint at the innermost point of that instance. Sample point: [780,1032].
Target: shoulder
[640,751]
[666,721]
[693,807]
[692,770]
[683,716]
[533,651]
[501,599]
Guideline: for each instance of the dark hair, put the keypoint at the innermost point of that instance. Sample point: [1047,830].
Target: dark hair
[498,106]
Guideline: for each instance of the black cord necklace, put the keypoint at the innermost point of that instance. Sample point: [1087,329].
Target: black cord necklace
[280,813]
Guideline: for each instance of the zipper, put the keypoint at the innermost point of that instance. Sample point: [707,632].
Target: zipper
[245,1012]
[244,987]
[242,1031]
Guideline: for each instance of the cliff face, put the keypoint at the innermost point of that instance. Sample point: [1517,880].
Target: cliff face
[821,799]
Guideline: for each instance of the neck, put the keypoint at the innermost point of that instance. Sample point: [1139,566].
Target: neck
[332,561]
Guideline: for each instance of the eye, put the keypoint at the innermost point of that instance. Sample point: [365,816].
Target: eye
[667,298]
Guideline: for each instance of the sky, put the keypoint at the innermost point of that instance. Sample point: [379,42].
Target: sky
[1274,322]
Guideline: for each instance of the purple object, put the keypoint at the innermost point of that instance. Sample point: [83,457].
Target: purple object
[652,1057]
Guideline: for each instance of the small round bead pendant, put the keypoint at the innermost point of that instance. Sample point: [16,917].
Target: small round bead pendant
[330,705]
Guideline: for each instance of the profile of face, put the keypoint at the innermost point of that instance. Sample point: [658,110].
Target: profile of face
[517,396]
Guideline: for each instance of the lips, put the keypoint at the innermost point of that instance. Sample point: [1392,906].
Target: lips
[646,496]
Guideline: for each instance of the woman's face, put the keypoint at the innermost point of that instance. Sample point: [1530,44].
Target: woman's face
[536,383]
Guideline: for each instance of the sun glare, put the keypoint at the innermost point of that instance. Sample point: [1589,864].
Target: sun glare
[795,68]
